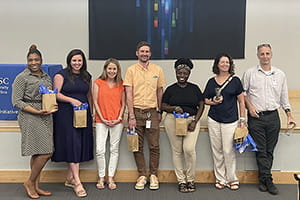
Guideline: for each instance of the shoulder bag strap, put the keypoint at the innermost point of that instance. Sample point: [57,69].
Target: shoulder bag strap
[226,83]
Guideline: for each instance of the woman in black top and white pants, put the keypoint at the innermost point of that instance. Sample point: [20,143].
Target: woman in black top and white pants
[223,118]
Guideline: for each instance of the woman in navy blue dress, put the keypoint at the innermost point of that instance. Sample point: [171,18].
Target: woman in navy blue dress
[73,145]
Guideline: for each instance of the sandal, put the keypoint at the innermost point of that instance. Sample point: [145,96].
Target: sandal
[219,185]
[182,187]
[191,186]
[69,183]
[80,193]
[112,185]
[100,184]
[233,186]
[154,184]
[140,183]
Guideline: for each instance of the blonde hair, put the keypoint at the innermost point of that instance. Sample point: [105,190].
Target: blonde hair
[118,77]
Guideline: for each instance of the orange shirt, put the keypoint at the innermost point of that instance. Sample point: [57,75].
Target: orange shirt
[109,100]
[145,83]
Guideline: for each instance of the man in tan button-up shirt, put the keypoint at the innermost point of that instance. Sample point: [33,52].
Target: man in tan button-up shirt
[144,83]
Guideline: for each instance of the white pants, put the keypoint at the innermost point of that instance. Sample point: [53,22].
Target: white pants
[221,142]
[115,134]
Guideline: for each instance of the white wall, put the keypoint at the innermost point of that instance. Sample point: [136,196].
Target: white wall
[57,26]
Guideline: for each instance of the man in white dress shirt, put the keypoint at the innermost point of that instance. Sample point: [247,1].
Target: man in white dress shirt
[265,92]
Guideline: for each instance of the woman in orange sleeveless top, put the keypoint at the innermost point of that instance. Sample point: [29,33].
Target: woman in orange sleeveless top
[109,101]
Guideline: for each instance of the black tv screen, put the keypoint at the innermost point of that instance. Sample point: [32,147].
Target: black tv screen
[197,29]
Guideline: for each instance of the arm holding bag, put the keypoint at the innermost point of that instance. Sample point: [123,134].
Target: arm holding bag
[181,125]
[80,116]
[48,98]
[132,140]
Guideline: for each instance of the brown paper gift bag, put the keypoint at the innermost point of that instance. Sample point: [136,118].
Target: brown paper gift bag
[49,102]
[181,126]
[80,118]
[132,141]
[239,135]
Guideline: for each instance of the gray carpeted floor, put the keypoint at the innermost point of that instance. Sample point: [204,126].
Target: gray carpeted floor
[167,191]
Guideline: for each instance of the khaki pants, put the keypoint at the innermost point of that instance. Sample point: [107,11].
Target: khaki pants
[221,142]
[182,146]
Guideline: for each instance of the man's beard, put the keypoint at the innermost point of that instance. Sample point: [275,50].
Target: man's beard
[143,59]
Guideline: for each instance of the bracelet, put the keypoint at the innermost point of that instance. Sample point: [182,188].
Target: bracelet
[132,118]
[176,107]
[242,119]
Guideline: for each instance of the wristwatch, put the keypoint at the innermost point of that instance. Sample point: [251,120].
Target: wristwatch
[242,119]
[287,110]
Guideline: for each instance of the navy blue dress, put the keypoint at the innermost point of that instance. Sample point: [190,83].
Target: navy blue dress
[72,145]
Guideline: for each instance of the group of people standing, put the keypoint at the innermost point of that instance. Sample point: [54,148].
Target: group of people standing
[262,92]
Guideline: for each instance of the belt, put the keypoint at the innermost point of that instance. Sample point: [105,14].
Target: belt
[32,101]
[144,110]
[266,112]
